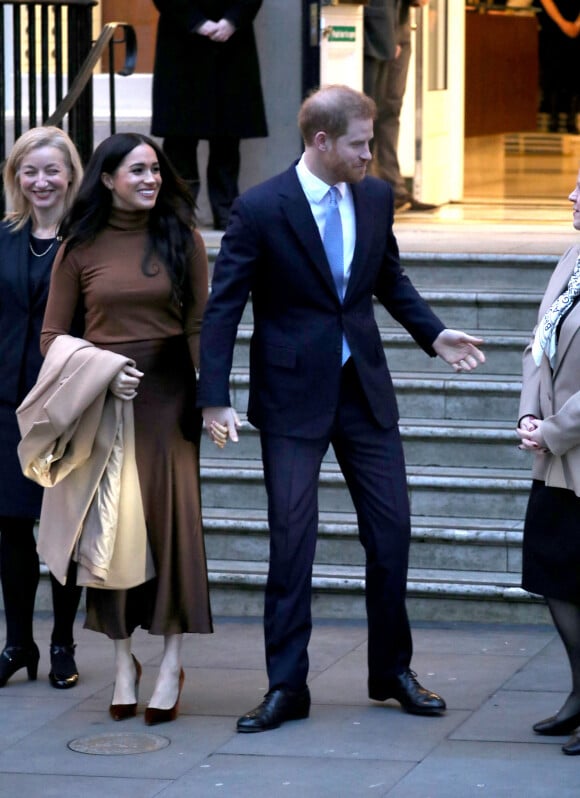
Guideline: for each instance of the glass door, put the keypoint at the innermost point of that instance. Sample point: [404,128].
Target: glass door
[439,101]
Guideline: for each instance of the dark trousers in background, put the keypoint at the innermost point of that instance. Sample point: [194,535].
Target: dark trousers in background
[385,82]
[371,460]
[223,169]
[20,573]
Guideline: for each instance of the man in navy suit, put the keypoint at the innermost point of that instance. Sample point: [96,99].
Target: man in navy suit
[318,376]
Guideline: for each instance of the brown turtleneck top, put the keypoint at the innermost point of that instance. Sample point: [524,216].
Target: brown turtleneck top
[121,302]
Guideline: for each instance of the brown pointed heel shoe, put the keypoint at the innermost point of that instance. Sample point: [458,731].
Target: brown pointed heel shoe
[125,711]
[153,715]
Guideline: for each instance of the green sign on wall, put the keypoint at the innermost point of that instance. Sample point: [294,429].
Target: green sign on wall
[342,33]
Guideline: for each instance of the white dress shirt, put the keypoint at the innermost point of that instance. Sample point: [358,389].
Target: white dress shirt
[316,191]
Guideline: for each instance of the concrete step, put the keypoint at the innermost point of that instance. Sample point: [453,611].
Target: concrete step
[434,491]
[477,271]
[454,396]
[338,592]
[466,310]
[462,544]
[466,271]
[477,310]
[237,588]
[426,442]
[446,443]
[503,351]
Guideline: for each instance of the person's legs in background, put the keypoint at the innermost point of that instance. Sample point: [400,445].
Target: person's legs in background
[390,86]
[65,601]
[20,572]
[385,82]
[182,152]
[223,169]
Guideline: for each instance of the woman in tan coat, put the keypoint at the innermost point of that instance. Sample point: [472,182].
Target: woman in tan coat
[549,428]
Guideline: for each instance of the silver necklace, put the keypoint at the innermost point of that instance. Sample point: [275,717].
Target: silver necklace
[46,251]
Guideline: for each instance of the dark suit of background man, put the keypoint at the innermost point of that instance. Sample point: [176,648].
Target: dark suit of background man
[206,85]
[387,54]
[304,398]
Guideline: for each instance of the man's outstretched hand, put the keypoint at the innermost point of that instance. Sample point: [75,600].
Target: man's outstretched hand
[459,349]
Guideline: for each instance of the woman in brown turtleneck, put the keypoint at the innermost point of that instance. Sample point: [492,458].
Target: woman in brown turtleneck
[134,260]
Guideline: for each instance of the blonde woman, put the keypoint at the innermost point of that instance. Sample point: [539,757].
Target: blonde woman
[41,178]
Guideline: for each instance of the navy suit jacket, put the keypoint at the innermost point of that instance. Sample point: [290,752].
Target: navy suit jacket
[272,250]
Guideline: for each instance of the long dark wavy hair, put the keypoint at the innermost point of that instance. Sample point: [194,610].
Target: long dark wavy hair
[171,220]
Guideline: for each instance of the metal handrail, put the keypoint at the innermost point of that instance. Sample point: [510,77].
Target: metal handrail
[39,33]
[86,71]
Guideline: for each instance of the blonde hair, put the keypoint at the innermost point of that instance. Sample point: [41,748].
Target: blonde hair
[18,207]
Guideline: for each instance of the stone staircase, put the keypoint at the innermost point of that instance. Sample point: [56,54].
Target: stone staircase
[468,481]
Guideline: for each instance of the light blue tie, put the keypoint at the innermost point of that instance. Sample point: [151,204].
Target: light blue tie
[332,241]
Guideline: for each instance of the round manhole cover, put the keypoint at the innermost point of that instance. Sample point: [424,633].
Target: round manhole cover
[118,744]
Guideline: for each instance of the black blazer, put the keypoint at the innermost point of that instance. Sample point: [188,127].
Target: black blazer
[273,250]
[20,317]
[201,88]
[21,314]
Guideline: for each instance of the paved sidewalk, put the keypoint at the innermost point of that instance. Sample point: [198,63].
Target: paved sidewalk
[497,681]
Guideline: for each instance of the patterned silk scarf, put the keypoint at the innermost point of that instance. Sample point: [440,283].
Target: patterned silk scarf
[546,333]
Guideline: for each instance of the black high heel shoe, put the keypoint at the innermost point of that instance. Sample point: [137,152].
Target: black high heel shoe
[552,727]
[13,658]
[63,668]
[124,711]
[572,747]
[154,715]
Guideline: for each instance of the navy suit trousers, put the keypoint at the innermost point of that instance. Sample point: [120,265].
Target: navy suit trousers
[371,460]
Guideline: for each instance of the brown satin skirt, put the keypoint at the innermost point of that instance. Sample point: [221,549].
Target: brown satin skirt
[167,433]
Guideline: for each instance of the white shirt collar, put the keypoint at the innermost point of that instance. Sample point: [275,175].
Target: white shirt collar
[314,188]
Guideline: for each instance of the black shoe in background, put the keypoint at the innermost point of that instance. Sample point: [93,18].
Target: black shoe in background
[417,205]
[403,204]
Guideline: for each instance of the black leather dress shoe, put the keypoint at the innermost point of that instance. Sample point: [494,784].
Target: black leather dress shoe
[572,747]
[278,706]
[552,727]
[414,698]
